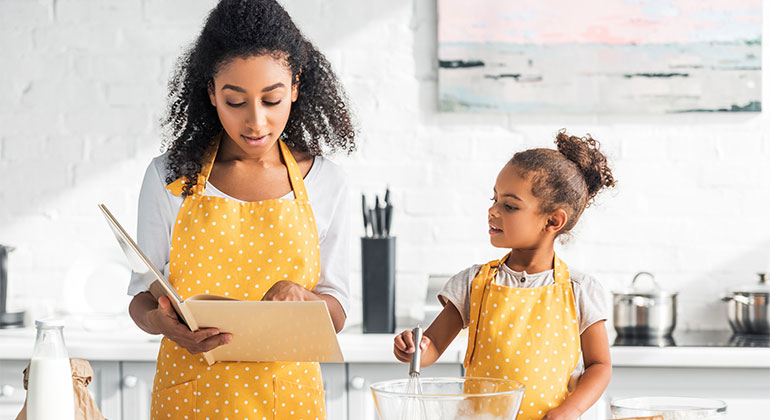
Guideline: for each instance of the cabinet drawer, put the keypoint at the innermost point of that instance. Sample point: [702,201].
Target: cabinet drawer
[103,388]
[136,385]
[12,393]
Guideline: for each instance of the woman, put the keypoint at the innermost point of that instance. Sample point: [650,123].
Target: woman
[226,210]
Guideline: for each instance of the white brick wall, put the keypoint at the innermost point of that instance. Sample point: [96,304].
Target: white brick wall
[83,83]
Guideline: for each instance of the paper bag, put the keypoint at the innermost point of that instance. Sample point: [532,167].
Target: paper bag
[85,406]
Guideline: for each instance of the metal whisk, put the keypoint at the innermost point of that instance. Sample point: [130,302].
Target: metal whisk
[414,364]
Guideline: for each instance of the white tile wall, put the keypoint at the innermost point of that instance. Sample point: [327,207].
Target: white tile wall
[82,89]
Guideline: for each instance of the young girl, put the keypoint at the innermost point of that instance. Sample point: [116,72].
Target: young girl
[529,316]
[227,209]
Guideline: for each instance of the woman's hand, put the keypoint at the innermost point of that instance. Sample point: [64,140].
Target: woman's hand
[285,290]
[403,345]
[562,412]
[164,320]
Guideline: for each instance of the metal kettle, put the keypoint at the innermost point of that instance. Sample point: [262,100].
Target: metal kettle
[7,319]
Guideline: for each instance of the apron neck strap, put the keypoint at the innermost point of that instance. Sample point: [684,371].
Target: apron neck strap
[206,164]
[295,175]
[494,267]
[560,271]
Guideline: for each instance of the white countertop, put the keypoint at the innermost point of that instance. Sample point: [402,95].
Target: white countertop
[128,343]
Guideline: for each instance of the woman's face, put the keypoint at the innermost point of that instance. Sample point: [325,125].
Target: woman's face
[515,220]
[253,98]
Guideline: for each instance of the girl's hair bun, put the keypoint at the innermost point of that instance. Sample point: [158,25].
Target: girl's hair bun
[585,153]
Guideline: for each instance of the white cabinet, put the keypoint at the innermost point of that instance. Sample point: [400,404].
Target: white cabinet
[136,386]
[103,388]
[12,392]
[335,385]
[745,390]
[122,389]
[362,375]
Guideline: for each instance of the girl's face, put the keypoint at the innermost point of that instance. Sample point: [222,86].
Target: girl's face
[515,220]
[253,98]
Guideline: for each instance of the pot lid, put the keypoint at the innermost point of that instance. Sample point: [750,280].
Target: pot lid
[759,287]
[649,290]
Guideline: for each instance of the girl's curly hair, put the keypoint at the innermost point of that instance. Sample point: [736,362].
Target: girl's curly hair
[569,177]
[319,121]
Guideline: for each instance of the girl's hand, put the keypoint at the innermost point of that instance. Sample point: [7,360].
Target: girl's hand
[403,345]
[164,319]
[562,412]
[285,290]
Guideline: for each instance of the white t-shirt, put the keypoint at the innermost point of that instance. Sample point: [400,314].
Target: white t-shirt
[326,189]
[591,300]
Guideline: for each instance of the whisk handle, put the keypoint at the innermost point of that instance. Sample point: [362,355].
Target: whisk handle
[414,365]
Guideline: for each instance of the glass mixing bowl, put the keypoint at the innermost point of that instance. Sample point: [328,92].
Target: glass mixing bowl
[671,408]
[449,398]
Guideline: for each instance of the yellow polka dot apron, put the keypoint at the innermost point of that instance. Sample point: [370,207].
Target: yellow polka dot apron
[529,335]
[223,247]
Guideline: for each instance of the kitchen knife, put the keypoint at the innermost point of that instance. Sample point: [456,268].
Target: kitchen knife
[380,215]
[365,214]
[374,222]
[388,218]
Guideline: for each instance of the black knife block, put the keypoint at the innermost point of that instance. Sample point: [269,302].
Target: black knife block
[378,275]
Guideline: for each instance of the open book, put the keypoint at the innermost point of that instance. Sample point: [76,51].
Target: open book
[262,331]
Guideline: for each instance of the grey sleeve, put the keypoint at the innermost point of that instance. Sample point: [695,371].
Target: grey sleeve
[457,291]
[155,219]
[591,301]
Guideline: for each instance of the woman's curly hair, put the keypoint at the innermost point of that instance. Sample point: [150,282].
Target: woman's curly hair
[319,121]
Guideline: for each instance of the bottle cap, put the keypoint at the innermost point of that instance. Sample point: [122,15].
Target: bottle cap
[49,323]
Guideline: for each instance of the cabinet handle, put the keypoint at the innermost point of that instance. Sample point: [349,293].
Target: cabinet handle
[357,382]
[7,391]
[130,381]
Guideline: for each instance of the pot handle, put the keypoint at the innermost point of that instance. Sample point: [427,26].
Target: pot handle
[640,301]
[740,299]
[646,274]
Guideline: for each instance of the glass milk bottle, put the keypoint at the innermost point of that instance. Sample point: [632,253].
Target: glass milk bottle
[49,392]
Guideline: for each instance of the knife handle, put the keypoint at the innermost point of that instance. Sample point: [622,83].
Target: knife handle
[375,223]
[388,218]
[365,214]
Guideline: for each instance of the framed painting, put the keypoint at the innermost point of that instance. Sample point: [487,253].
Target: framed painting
[600,56]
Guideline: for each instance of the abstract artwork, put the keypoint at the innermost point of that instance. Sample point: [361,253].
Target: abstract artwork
[600,56]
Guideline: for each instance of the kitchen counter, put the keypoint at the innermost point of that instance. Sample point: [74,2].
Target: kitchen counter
[123,358]
[692,349]
[128,343]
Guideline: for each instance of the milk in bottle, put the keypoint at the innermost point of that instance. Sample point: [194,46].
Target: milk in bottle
[49,392]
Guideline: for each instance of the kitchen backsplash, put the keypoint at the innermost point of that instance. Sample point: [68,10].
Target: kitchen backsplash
[84,85]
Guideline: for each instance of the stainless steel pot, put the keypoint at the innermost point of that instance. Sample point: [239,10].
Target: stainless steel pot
[7,319]
[748,309]
[649,312]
